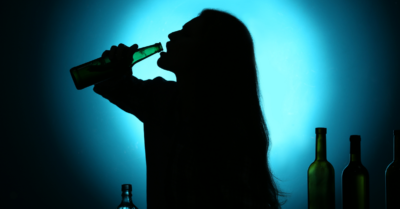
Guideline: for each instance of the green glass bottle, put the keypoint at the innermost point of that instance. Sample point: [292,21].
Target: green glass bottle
[355,179]
[392,175]
[321,176]
[102,68]
[126,202]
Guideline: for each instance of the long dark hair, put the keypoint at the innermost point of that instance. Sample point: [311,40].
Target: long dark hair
[235,122]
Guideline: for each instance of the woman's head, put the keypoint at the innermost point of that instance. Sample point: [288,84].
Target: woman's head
[208,45]
[183,48]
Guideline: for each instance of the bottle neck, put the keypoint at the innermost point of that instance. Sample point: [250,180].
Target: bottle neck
[320,147]
[355,151]
[396,148]
[126,197]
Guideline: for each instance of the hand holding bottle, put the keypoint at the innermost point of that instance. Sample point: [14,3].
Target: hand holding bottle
[114,62]
[122,56]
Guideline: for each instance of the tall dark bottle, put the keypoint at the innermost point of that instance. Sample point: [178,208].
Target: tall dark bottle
[102,68]
[321,176]
[392,175]
[355,179]
[126,198]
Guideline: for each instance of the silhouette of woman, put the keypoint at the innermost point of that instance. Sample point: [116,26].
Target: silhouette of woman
[206,140]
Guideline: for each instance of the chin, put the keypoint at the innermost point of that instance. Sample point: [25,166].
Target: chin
[161,62]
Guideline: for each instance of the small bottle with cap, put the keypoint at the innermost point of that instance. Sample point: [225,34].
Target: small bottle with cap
[126,198]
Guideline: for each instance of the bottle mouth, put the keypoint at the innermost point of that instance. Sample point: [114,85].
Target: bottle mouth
[125,187]
[355,138]
[320,130]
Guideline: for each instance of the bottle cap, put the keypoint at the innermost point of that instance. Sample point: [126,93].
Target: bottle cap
[125,187]
[396,132]
[320,130]
[355,138]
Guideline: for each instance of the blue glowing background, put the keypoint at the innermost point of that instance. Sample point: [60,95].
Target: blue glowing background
[333,65]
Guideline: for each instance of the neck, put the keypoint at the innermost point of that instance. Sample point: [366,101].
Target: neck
[355,151]
[320,151]
[187,99]
[355,158]
[126,197]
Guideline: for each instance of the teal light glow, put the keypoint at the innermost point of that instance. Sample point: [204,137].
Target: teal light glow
[106,145]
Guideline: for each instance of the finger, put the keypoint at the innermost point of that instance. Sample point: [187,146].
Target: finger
[112,53]
[133,48]
[105,54]
[122,51]
[121,45]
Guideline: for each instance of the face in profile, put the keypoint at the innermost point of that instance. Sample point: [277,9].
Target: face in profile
[183,50]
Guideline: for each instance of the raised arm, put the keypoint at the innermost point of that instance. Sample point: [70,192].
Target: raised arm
[141,98]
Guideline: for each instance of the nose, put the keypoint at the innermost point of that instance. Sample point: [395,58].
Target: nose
[172,35]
